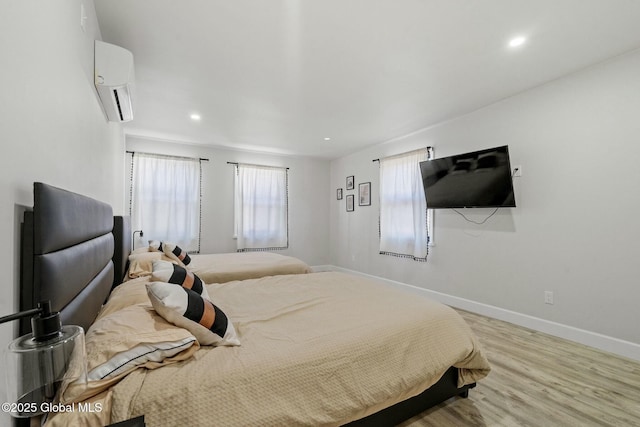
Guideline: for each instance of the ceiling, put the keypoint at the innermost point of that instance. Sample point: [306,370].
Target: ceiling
[280,76]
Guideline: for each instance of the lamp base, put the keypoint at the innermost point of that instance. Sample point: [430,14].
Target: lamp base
[37,369]
[36,402]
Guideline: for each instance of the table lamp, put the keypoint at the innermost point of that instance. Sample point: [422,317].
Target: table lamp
[133,238]
[38,363]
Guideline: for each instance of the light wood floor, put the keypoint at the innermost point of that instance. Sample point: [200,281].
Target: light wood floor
[540,380]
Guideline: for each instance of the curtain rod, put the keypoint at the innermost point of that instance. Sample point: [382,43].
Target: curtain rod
[168,155]
[263,166]
[429,150]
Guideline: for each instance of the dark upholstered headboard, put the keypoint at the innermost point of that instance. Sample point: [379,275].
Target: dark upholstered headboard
[122,238]
[67,246]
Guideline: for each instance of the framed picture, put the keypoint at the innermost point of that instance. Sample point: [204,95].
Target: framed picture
[350,202]
[339,194]
[350,183]
[364,194]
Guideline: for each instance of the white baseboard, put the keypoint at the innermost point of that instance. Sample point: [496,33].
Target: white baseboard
[321,268]
[592,339]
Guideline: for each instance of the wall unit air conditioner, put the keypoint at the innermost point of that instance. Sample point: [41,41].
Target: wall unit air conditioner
[114,80]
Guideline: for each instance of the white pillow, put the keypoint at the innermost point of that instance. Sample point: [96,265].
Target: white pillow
[164,271]
[143,353]
[126,339]
[186,309]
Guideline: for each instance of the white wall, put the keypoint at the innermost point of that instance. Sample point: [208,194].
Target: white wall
[575,230]
[308,202]
[51,126]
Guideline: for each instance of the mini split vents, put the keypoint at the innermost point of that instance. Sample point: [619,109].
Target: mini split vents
[114,80]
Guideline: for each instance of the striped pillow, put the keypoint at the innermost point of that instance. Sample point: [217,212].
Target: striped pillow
[175,252]
[155,246]
[186,309]
[164,271]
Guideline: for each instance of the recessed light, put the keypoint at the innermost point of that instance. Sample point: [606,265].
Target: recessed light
[327,139]
[195,117]
[517,41]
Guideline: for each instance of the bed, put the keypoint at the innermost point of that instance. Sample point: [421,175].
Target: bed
[221,268]
[211,268]
[316,349]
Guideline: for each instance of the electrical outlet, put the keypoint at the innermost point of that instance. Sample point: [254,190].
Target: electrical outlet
[517,170]
[548,297]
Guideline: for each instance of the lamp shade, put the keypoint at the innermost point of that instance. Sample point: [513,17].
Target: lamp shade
[35,369]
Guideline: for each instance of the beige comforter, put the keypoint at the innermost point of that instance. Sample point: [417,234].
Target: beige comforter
[226,267]
[317,349]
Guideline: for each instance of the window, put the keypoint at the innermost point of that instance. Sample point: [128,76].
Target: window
[165,199]
[261,208]
[403,209]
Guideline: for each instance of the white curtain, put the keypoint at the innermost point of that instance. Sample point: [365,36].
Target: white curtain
[165,199]
[403,208]
[261,208]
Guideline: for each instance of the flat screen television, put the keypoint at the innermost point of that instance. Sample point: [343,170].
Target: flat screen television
[479,179]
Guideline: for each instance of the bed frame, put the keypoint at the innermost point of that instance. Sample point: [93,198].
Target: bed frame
[74,251]
[67,246]
[123,241]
